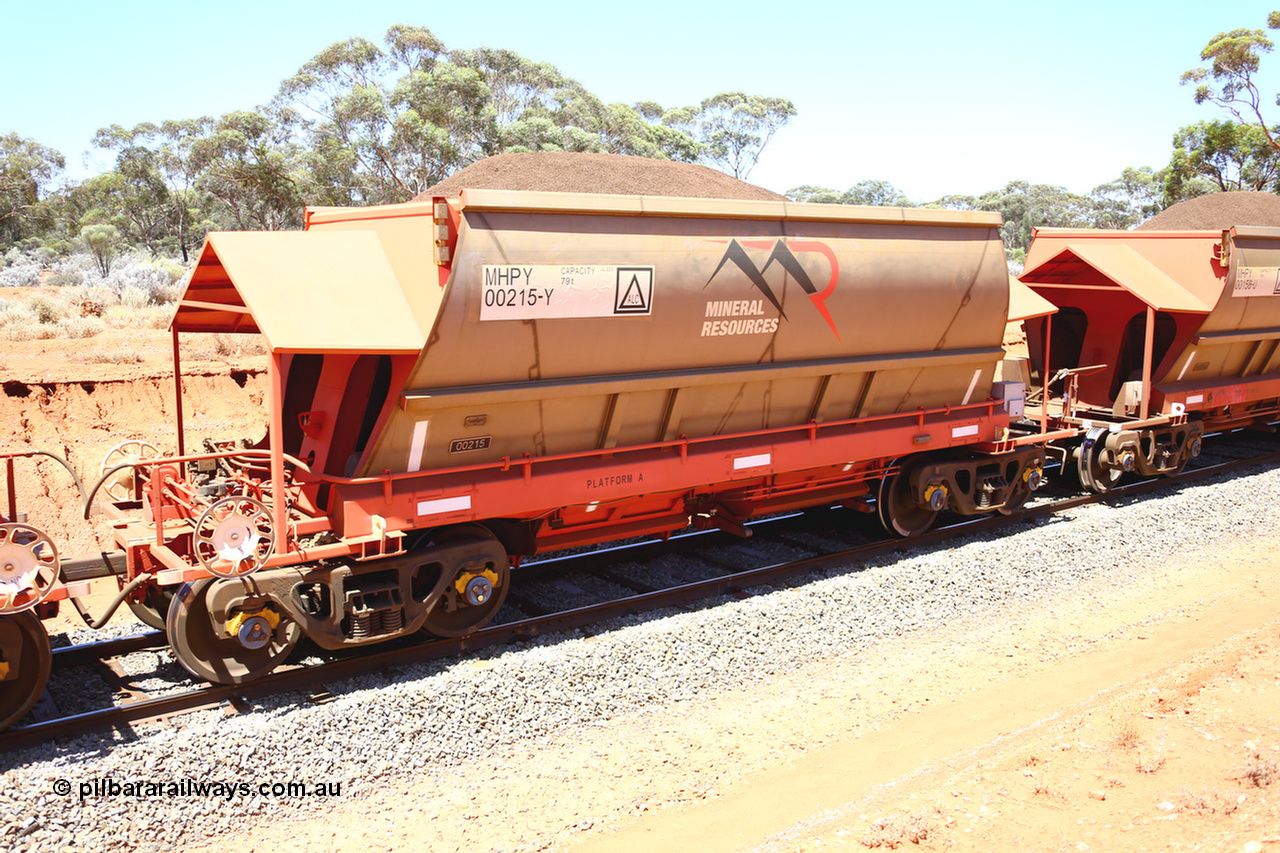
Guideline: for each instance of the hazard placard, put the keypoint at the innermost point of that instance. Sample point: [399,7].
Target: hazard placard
[545,291]
[633,291]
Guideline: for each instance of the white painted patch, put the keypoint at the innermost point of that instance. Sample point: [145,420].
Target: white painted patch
[964,431]
[416,446]
[439,506]
[1190,359]
[972,384]
[1195,398]
[752,461]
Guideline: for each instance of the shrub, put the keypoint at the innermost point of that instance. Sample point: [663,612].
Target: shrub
[166,295]
[20,275]
[140,274]
[172,269]
[21,330]
[48,309]
[66,278]
[79,327]
[134,298]
[16,312]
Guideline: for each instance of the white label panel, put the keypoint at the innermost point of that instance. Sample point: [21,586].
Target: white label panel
[416,445]
[756,461]
[1195,398]
[545,291]
[964,431]
[439,506]
[1257,281]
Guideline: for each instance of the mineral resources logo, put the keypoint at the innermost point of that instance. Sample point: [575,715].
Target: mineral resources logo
[752,311]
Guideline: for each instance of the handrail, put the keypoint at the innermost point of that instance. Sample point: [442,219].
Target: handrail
[506,463]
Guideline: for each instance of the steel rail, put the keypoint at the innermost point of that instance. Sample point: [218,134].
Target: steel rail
[300,677]
[68,656]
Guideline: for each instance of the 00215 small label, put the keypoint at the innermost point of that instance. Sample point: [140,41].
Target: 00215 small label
[463,445]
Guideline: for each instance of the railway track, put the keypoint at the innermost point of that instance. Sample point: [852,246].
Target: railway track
[598,585]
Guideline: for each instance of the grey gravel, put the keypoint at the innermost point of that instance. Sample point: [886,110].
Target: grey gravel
[381,728]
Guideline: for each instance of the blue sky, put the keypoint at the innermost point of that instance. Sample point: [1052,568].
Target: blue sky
[936,97]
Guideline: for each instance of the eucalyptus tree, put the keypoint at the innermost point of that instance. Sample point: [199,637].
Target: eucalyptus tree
[28,171]
[153,192]
[1234,59]
[734,128]
[386,125]
[1129,200]
[256,172]
[103,241]
[871,192]
[1229,156]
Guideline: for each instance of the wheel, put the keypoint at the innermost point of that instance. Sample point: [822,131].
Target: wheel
[29,567]
[1016,501]
[120,485]
[899,514]
[234,536]
[1189,452]
[1094,475]
[153,608]
[474,598]
[25,662]
[221,660]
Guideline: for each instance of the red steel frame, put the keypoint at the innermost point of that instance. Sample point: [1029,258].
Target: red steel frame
[769,468]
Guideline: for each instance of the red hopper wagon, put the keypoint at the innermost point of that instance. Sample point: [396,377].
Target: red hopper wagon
[1159,336]
[459,384]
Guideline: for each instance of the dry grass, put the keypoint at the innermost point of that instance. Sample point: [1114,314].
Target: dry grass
[1204,802]
[1150,760]
[78,310]
[1125,732]
[1259,772]
[117,356]
[222,347]
[893,832]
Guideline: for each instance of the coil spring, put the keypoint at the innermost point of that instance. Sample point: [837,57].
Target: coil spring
[991,492]
[362,624]
[369,623]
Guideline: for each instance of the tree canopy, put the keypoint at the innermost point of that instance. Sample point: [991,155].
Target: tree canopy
[358,124]
[1234,58]
[372,123]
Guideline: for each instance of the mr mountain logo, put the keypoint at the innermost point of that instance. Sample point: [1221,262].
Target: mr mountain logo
[784,254]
